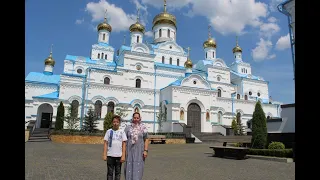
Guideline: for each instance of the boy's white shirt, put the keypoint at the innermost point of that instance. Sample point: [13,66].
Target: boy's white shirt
[118,137]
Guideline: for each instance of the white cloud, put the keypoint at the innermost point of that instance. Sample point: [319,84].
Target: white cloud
[269,29]
[272,19]
[226,16]
[272,56]
[261,52]
[117,18]
[79,21]
[283,42]
[149,34]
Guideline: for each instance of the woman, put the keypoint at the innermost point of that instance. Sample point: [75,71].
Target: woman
[136,149]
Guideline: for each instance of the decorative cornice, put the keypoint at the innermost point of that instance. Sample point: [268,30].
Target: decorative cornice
[87,65]
[148,73]
[123,88]
[170,52]
[185,89]
[102,48]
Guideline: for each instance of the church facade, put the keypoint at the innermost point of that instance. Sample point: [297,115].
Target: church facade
[148,78]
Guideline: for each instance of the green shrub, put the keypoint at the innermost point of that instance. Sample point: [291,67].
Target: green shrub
[276,145]
[238,144]
[272,152]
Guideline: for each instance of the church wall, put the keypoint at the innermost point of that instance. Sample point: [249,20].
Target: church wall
[38,89]
[70,90]
[226,90]
[95,52]
[173,53]
[255,87]
[214,73]
[164,34]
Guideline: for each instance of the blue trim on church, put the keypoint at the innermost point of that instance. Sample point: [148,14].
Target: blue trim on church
[53,95]
[37,77]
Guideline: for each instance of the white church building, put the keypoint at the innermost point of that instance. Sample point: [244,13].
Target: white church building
[140,76]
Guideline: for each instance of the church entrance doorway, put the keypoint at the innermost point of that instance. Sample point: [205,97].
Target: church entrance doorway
[194,117]
[44,116]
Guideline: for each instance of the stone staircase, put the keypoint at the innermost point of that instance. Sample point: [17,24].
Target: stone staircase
[39,135]
[219,138]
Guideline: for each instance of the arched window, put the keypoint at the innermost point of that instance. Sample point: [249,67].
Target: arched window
[238,96]
[213,54]
[160,33]
[110,107]
[105,56]
[103,36]
[181,115]
[106,80]
[219,92]
[170,60]
[178,62]
[245,97]
[97,108]
[207,116]
[136,109]
[138,39]
[101,55]
[138,83]
[268,117]
[98,55]
[74,107]
[168,32]
[162,59]
[238,117]
[220,117]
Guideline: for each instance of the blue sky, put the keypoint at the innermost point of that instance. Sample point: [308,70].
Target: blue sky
[263,32]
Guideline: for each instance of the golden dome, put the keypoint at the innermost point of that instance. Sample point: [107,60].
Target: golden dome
[165,18]
[49,61]
[237,48]
[188,64]
[104,26]
[210,43]
[137,26]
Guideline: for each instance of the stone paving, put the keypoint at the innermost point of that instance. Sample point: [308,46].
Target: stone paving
[55,161]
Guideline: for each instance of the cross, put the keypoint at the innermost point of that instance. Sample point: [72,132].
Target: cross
[165,5]
[209,31]
[188,48]
[105,15]
[237,40]
[138,14]
[51,50]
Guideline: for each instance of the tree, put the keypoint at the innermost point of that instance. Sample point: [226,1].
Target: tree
[162,116]
[107,123]
[72,118]
[60,117]
[259,128]
[90,121]
[234,126]
[239,124]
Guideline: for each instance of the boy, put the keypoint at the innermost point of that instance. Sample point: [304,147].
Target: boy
[114,149]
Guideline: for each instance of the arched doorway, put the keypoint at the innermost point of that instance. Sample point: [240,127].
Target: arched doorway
[194,117]
[44,116]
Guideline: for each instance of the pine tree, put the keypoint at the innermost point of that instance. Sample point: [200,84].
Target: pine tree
[259,128]
[90,121]
[234,126]
[59,117]
[107,123]
[72,118]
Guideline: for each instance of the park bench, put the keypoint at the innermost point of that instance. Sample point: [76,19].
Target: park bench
[157,139]
[229,151]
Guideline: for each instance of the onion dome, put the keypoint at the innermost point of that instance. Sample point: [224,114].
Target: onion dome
[137,27]
[165,18]
[188,64]
[104,25]
[237,48]
[210,42]
[49,60]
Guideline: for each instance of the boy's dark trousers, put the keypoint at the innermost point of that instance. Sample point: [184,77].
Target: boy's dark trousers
[114,165]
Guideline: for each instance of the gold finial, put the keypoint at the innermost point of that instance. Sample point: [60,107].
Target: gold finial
[138,14]
[209,31]
[237,40]
[124,39]
[51,50]
[188,48]
[105,16]
[165,6]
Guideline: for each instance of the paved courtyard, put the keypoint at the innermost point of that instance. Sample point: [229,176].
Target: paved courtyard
[55,161]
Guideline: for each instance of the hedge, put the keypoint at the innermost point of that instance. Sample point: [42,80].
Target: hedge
[288,153]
